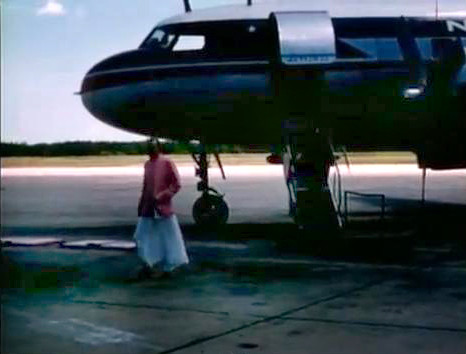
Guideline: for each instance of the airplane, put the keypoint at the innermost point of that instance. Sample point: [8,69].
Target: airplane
[305,75]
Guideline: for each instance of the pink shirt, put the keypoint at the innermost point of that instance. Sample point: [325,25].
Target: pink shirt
[161,183]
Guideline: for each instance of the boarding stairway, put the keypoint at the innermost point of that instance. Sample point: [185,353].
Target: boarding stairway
[320,202]
[311,202]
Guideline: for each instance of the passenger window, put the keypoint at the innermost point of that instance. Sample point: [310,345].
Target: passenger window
[187,42]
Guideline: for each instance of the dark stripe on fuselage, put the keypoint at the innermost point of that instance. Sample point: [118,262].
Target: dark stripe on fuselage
[112,78]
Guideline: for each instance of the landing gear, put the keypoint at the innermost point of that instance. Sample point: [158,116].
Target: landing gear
[210,209]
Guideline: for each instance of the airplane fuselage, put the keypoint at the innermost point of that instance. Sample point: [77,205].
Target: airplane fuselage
[391,78]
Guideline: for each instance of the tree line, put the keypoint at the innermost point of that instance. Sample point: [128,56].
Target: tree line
[92,148]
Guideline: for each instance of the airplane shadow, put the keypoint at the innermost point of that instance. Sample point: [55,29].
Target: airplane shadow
[430,220]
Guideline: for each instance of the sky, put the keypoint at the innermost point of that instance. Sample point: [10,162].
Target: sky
[47,46]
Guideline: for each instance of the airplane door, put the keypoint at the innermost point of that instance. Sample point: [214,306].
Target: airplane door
[304,38]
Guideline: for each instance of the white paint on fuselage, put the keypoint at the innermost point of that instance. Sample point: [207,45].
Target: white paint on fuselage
[335,8]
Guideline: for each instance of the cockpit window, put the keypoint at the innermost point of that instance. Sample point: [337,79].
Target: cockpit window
[189,43]
[159,39]
[158,35]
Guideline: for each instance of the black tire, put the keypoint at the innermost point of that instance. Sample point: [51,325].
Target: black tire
[210,211]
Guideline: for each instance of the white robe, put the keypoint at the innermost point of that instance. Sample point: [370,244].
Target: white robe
[160,241]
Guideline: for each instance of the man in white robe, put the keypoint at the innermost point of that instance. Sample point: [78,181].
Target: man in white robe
[158,235]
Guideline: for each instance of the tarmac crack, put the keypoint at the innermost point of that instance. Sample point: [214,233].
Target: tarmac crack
[271,318]
[151,307]
[376,324]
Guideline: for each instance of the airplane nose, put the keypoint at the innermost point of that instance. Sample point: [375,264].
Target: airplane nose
[110,71]
[113,89]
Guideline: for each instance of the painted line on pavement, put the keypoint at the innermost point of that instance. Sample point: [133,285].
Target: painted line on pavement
[106,243]
[84,332]
[30,241]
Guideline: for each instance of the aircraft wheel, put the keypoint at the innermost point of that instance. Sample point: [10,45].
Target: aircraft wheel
[210,210]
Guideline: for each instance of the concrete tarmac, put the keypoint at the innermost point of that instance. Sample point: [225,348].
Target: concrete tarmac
[41,199]
[74,301]
[245,291]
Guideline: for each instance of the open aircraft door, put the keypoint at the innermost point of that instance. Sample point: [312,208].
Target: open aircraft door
[304,38]
[305,45]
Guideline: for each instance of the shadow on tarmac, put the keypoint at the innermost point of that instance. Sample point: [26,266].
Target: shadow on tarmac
[409,225]
[430,218]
